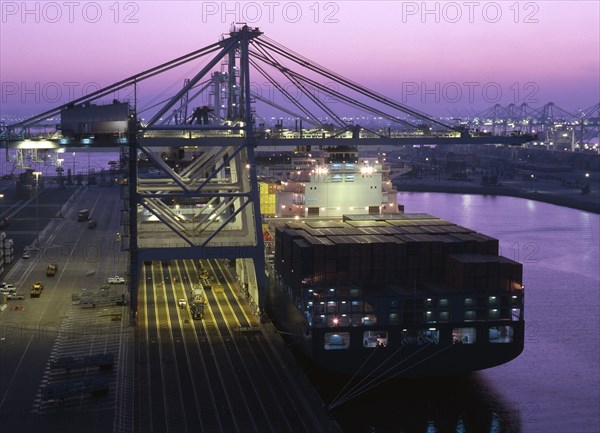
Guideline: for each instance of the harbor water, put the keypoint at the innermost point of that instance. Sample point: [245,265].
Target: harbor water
[553,386]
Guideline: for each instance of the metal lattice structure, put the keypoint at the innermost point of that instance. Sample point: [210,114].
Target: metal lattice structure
[189,172]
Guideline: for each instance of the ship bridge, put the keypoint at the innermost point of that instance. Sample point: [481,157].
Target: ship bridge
[188,171]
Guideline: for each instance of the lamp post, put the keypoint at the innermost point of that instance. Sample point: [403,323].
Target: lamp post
[37,175]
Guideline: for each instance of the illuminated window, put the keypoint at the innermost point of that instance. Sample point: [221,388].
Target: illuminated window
[372,339]
[337,340]
[501,334]
[420,336]
[369,319]
[429,316]
[464,335]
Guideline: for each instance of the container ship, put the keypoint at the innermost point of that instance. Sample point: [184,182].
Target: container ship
[367,289]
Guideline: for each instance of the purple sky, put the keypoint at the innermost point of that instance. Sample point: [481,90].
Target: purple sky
[532,52]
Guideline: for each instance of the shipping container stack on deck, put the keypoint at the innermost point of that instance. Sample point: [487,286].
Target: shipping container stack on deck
[403,249]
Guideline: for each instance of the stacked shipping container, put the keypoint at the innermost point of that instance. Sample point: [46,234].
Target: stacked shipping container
[371,249]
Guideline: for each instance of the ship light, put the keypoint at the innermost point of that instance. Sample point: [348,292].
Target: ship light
[433,329]
[366,170]
[335,320]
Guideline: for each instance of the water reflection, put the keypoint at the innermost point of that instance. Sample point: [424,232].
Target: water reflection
[449,404]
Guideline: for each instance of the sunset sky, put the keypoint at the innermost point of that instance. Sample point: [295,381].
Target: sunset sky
[418,53]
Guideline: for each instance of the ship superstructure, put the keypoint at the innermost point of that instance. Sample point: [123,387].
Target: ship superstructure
[337,182]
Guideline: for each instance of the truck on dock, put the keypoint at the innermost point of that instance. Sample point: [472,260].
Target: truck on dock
[116,280]
[197,310]
[83,215]
[197,300]
[197,295]
[51,269]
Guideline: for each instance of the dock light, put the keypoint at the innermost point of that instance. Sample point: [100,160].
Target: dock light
[335,320]
[587,175]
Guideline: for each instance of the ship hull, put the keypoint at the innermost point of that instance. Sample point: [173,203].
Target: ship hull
[399,358]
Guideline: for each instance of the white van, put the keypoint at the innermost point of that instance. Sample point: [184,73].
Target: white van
[116,280]
[7,288]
